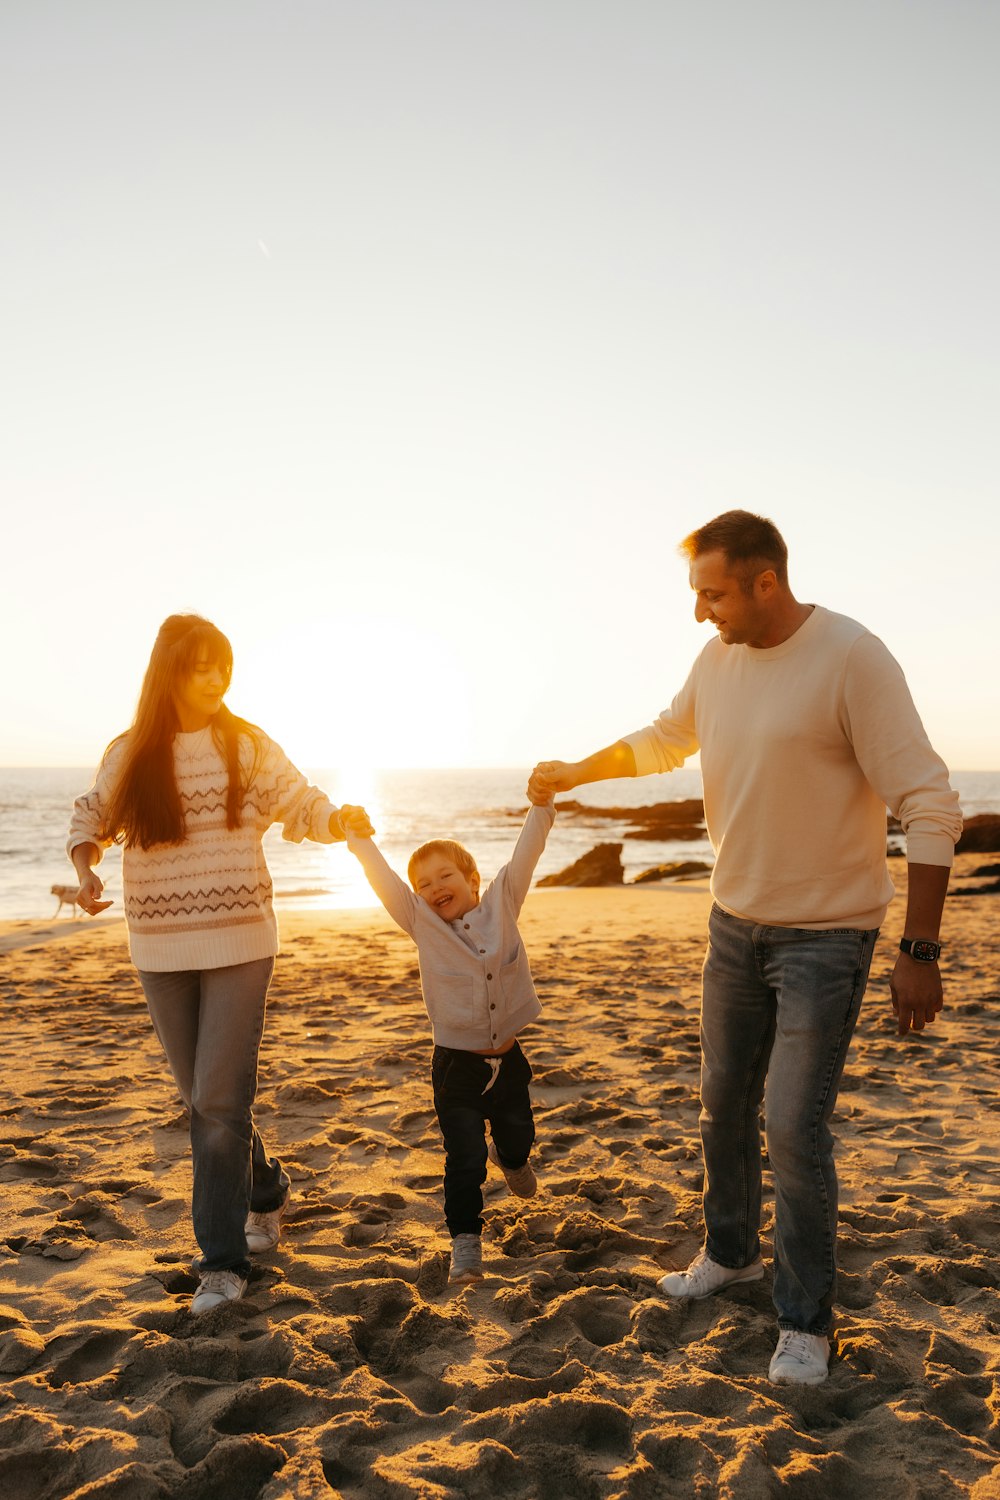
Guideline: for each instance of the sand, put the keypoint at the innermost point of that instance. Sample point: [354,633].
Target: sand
[352,1368]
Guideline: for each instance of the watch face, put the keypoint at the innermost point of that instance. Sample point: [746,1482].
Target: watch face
[924,952]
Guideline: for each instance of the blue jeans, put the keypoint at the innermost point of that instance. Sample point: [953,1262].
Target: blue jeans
[464,1103]
[210,1023]
[779,1006]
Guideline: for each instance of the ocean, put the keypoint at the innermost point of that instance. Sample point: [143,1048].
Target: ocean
[480,808]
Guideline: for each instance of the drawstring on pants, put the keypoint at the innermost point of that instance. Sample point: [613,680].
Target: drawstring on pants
[494,1065]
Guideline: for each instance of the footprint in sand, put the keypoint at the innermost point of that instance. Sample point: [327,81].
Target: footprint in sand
[95,1212]
[93,1352]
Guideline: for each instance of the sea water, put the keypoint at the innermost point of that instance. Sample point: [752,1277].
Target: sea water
[483,809]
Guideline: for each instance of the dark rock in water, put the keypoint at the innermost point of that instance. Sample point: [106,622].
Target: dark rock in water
[661,820]
[655,834]
[992,888]
[672,872]
[985,870]
[601,866]
[981,835]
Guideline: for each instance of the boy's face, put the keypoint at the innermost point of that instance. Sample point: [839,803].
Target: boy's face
[444,887]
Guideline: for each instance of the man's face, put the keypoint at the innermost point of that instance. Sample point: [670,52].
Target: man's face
[741,619]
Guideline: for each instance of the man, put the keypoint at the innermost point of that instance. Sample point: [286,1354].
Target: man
[807,732]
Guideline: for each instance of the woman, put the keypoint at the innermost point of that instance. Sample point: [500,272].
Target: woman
[189,791]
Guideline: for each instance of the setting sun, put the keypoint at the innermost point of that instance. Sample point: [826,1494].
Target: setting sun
[360,690]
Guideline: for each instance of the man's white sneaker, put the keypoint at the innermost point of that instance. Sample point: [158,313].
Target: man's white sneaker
[263,1231]
[521,1180]
[800,1358]
[216,1287]
[705,1276]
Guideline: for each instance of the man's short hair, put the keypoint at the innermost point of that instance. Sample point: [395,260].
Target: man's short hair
[749,544]
[447,849]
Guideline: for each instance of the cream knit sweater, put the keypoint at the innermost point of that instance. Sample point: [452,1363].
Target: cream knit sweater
[803,747]
[206,903]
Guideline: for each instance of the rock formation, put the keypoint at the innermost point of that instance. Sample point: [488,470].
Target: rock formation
[600,866]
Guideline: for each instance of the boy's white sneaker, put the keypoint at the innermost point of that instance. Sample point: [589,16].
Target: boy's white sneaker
[263,1231]
[466,1258]
[800,1358]
[216,1287]
[705,1276]
[521,1180]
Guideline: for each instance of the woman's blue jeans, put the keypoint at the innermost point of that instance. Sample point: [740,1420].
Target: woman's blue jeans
[779,1006]
[210,1023]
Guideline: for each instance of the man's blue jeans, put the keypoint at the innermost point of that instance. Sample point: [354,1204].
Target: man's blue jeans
[779,1006]
[210,1023]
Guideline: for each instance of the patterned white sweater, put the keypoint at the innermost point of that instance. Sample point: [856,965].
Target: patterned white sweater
[206,903]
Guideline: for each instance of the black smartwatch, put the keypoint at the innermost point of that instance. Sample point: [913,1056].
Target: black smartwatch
[922,949]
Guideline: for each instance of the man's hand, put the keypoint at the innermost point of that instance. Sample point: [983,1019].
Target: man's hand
[549,777]
[356,822]
[916,993]
[88,897]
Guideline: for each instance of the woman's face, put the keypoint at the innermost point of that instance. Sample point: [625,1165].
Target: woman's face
[200,694]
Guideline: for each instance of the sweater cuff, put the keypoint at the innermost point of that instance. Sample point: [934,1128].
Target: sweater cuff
[76,839]
[930,849]
[643,747]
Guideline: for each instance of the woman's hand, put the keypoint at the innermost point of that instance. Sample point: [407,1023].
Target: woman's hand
[88,897]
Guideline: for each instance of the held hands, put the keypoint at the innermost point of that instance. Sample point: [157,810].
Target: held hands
[549,777]
[356,822]
[88,897]
[916,994]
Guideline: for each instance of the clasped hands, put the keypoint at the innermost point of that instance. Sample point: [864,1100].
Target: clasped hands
[355,822]
[549,777]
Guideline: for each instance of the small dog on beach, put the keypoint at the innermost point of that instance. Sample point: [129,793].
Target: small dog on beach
[67,897]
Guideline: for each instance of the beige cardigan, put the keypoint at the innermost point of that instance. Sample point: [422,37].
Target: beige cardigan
[474,974]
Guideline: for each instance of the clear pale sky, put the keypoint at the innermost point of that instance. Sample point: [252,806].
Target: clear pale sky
[405,339]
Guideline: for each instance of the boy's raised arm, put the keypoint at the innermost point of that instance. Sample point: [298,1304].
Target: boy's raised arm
[528,850]
[394,894]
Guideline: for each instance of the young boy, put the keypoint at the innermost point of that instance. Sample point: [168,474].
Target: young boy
[478,991]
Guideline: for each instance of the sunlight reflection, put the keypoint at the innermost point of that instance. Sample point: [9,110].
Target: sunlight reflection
[357,785]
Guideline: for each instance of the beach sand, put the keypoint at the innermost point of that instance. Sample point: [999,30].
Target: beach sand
[353,1369]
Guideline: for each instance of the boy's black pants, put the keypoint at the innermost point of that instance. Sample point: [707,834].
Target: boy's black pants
[464,1103]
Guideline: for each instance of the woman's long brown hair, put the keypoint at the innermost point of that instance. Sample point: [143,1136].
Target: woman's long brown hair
[145,807]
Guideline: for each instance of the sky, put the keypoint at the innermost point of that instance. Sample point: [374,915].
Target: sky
[406,339]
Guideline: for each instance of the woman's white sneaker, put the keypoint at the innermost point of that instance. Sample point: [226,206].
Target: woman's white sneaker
[800,1358]
[705,1276]
[216,1287]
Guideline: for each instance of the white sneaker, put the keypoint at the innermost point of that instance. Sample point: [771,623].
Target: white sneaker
[466,1258]
[263,1231]
[705,1276]
[800,1358]
[216,1287]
